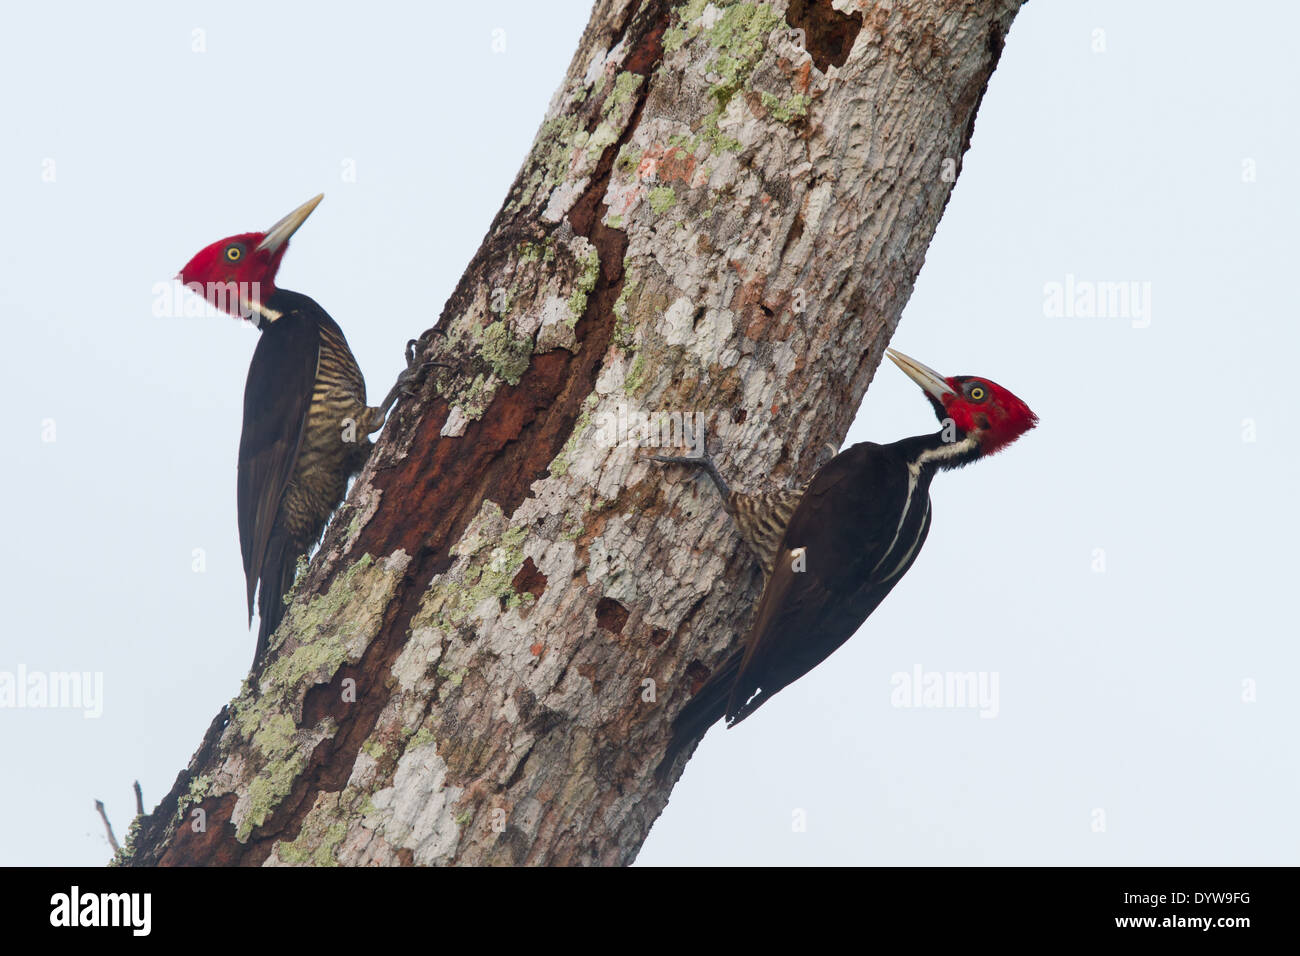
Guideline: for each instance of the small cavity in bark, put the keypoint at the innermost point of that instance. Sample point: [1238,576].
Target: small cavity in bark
[828,34]
[611,615]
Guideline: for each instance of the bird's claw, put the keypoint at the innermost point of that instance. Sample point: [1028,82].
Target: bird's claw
[410,378]
[415,370]
[670,459]
[702,460]
[679,460]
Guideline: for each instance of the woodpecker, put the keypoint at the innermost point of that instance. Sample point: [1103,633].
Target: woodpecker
[306,421]
[849,537]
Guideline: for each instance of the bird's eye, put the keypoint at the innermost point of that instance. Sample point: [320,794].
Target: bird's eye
[976,393]
[234,253]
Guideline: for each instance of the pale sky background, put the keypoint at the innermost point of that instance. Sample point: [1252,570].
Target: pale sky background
[1120,691]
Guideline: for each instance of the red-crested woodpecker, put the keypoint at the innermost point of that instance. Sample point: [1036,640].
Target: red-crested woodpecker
[306,421]
[833,552]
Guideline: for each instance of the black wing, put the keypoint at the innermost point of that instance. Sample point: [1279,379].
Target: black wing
[277,398]
[848,519]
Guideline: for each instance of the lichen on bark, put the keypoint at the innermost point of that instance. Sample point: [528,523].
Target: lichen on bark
[709,223]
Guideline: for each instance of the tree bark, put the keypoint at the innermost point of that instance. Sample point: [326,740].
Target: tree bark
[723,213]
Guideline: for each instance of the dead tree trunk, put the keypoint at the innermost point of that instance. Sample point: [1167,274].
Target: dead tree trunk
[723,213]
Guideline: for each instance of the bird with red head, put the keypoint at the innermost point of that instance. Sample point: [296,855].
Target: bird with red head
[976,406]
[237,274]
[832,551]
[306,421]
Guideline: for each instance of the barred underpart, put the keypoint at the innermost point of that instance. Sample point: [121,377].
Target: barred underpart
[762,519]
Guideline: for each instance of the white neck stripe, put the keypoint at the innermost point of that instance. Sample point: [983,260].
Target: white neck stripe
[266,312]
[916,543]
[942,453]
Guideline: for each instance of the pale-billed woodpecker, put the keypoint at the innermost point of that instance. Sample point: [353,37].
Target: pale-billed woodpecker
[832,552]
[306,421]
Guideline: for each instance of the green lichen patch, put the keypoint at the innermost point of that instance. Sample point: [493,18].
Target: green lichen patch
[625,86]
[508,354]
[573,529]
[494,553]
[685,27]
[635,375]
[319,837]
[266,717]
[354,527]
[737,41]
[323,854]
[624,324]
[515,599]
[661,199]
[324,643]
[686,144]
[613,118]
[474,400]
[268,788]
[275,737]
[453,677]
[527,252]
[583,284]
[628,159]
[195,794]
[299,570]
[564,138]
[551,157]
[786,110]
[127,850]
[602,139]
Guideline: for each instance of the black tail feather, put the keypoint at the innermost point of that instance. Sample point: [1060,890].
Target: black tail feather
[278,571]
[701,712]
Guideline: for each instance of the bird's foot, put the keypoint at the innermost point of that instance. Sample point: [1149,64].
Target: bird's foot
[698,461]
[702,460]
[408,382]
